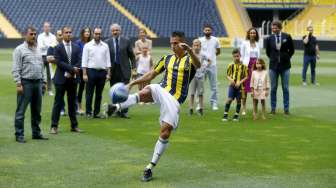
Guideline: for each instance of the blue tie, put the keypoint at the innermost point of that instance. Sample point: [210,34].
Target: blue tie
[117,54]
[278,38]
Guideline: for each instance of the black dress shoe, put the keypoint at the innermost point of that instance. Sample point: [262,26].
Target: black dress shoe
[124,116]
[20,139]
[40,137]
[98,116]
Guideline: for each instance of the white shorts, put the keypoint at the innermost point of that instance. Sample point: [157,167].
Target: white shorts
[169,107]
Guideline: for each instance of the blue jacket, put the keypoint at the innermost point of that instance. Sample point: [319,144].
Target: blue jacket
[62,62]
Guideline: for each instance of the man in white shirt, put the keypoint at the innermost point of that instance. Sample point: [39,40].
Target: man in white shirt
[211,48]
[96,70]
[44,41]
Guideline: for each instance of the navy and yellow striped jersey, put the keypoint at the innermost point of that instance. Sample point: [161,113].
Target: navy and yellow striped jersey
[237,72]
[178,74]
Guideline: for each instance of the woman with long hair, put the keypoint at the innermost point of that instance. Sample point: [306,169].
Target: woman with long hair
[85,37]
[250,52]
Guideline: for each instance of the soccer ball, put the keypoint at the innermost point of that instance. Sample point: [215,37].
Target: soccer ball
[118,93]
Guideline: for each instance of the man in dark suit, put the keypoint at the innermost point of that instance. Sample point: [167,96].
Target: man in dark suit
[68,61]
[122,59]
[51,59]
[279,49]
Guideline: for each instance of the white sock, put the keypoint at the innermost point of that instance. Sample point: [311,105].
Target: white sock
[160,147]
[131,100]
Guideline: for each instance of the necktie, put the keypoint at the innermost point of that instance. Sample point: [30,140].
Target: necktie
[277,38]
[117,55]
[68,51]
[277,42]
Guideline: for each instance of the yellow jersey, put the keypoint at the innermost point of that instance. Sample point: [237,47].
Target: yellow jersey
[178,74]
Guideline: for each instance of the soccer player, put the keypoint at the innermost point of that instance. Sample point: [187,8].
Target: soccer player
[179,69]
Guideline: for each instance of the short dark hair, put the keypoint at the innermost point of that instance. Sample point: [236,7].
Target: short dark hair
[66,27]
[248,34]
[277,23]
[207,25]
[29,28]
[235,51]
[178,34]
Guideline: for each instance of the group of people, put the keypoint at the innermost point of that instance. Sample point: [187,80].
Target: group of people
[90,62]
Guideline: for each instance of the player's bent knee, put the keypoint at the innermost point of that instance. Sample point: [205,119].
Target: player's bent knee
[165,135]
[145,95]
[165,131]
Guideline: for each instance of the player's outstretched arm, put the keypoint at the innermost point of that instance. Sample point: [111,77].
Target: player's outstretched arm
[145,78]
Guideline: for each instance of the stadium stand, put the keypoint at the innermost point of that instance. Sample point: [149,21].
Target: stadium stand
[235,17]
[286,4]
[324,2]
[131,17]
[320,15]
[186,15]
[76,13]
[9,31]
[2,35]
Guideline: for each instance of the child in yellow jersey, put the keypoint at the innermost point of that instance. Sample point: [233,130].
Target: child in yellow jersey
[236,74]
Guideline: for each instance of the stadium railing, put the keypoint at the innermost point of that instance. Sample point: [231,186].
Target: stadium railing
[275,3]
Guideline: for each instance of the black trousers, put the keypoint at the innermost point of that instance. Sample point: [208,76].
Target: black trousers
[70,87]
[117,76]
[32,93]
[80,88]
[95,85]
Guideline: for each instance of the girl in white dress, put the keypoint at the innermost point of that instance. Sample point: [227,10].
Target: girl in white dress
[144,63]
[259,86]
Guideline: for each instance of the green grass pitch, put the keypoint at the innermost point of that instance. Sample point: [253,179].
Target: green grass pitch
[283,151]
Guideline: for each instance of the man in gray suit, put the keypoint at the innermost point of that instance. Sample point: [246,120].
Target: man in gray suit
[122,59]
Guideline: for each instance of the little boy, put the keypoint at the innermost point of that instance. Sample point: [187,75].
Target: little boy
[197,84]
[236,74]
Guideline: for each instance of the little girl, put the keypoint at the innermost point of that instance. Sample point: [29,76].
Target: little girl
[144,64]
[259,86]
